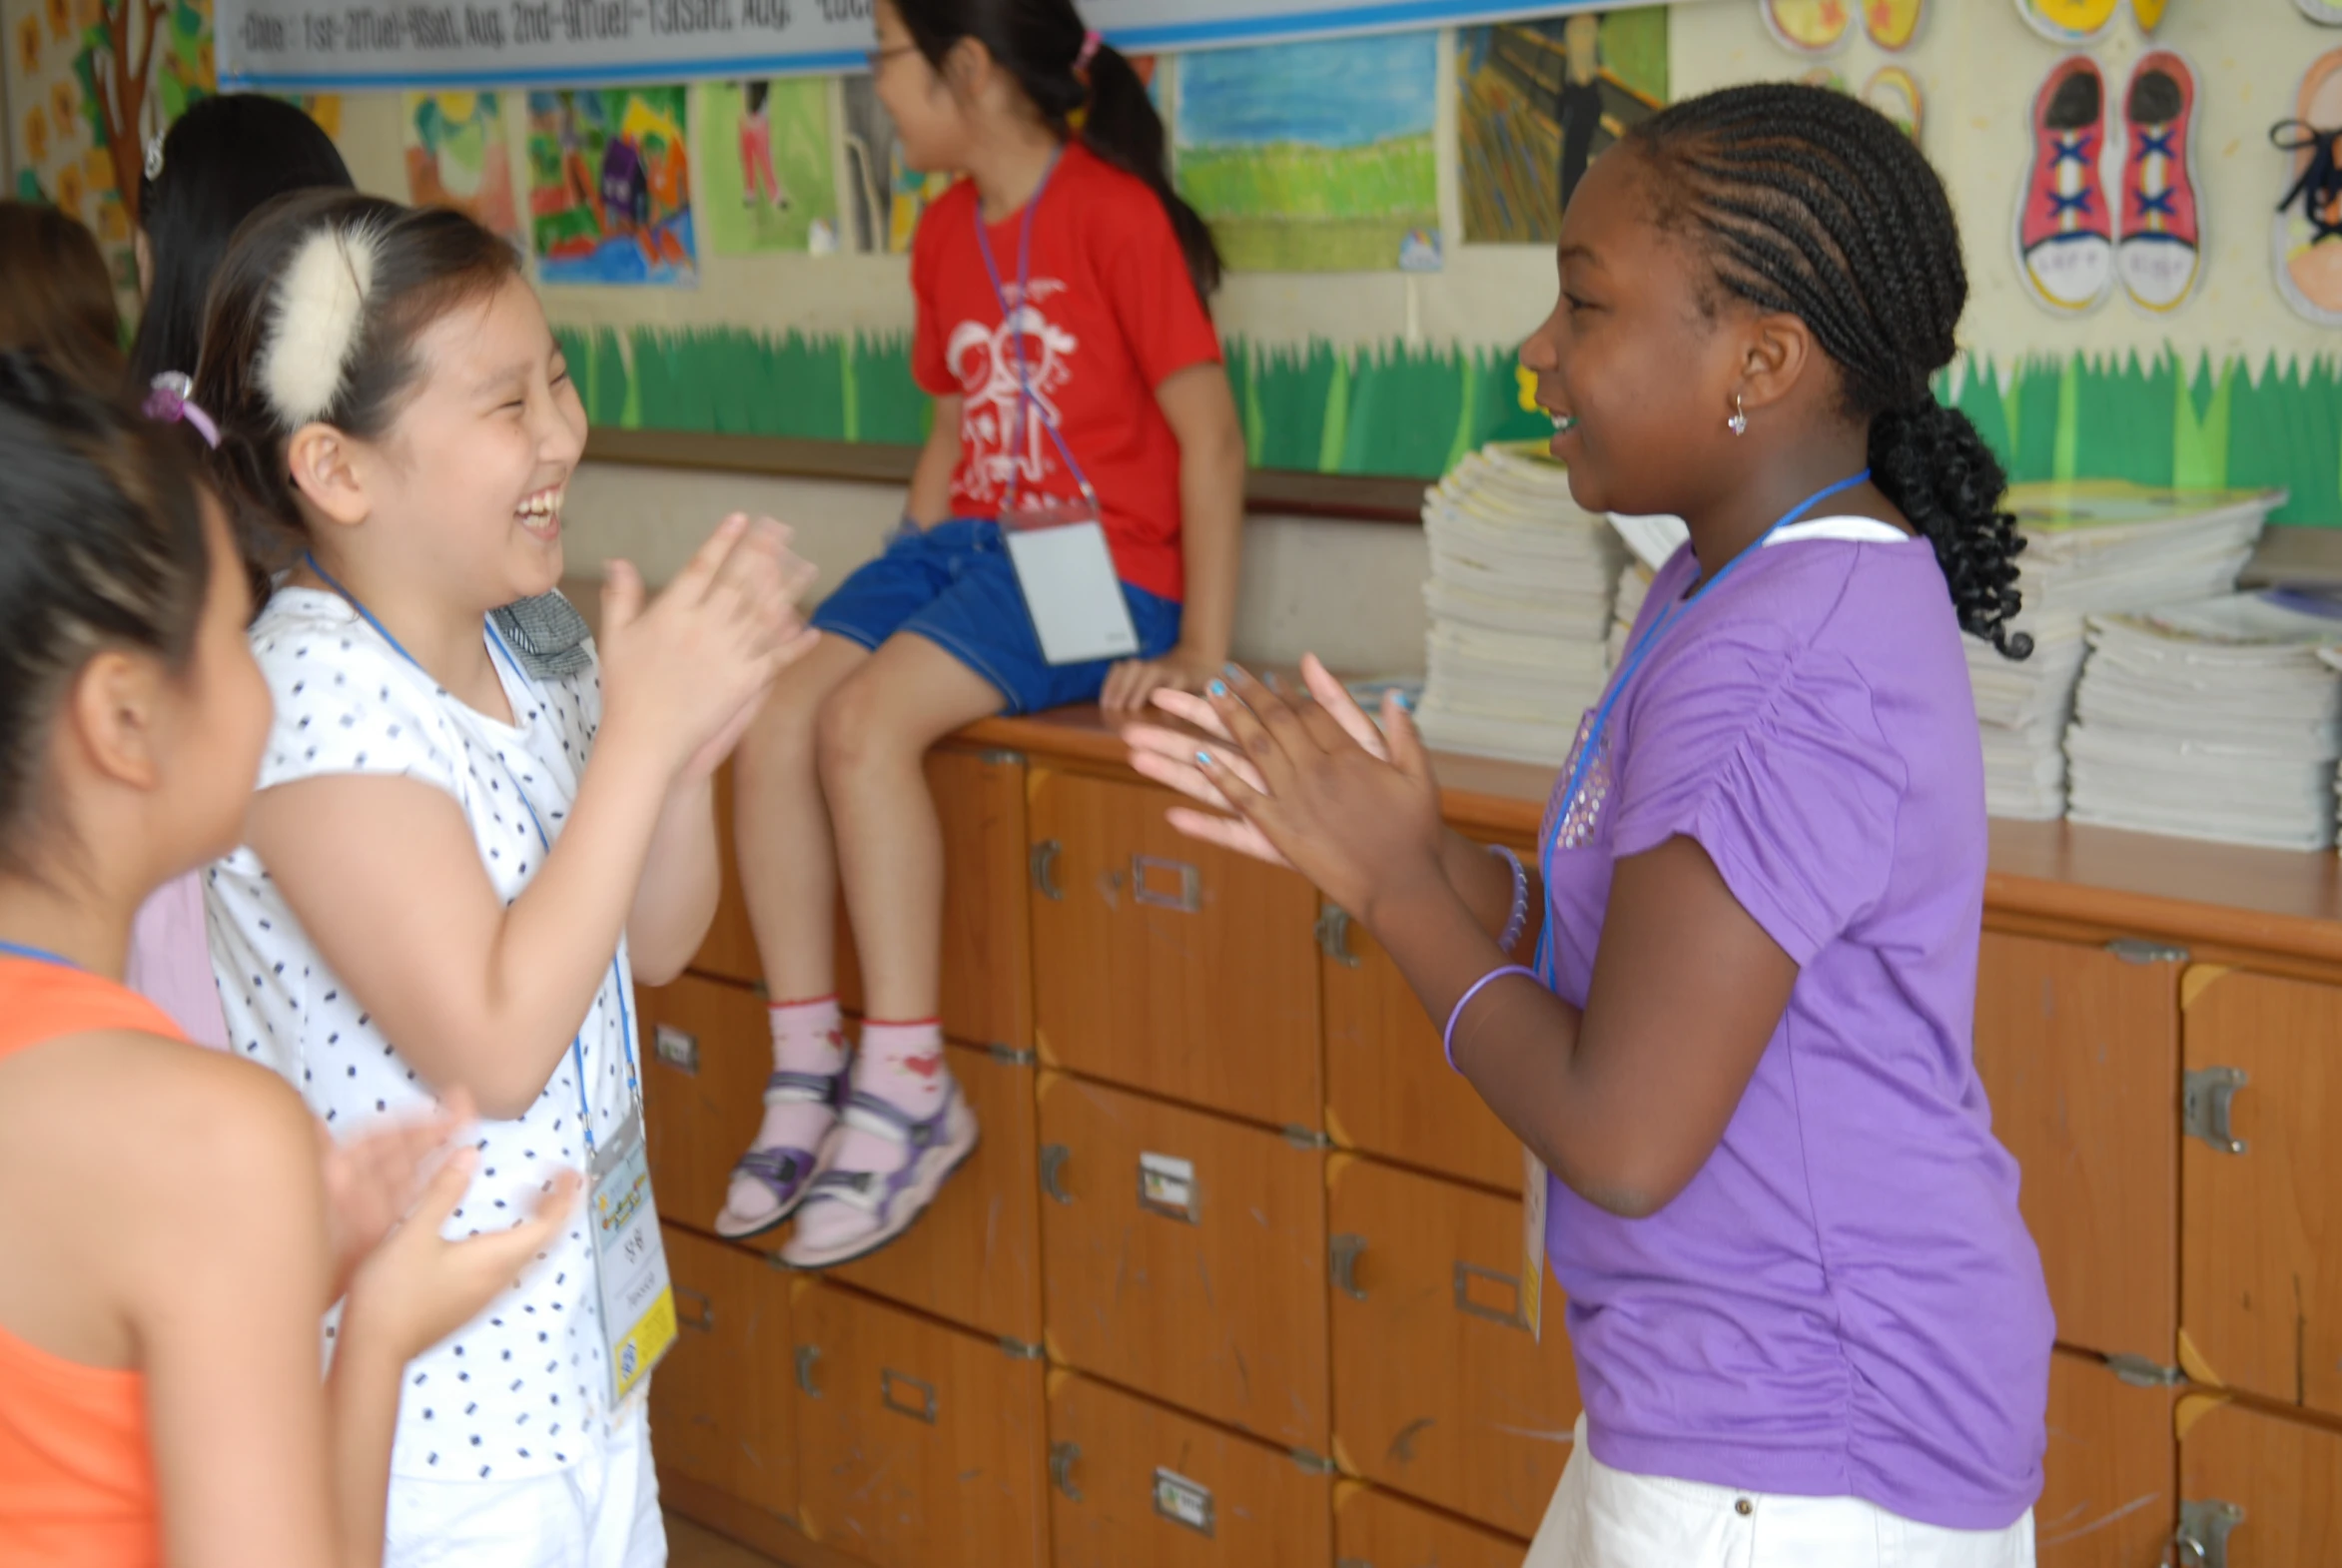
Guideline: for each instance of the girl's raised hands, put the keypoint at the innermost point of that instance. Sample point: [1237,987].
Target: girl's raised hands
[690,671]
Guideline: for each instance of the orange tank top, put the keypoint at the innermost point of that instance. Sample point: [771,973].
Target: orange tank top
[77,1476]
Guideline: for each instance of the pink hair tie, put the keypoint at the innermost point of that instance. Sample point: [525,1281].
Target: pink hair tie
[1089,42]
[171,400]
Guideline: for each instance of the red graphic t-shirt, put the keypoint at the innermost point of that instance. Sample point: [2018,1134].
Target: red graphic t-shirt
[1110,314]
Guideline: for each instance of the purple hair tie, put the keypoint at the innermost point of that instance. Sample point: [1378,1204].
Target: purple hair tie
[171,400]
[1089,42]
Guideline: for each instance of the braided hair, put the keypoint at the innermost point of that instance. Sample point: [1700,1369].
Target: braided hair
[1811,204]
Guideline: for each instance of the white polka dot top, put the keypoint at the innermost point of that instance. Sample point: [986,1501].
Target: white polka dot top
[514,1393]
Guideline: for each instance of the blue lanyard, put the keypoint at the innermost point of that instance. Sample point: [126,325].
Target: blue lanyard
[1028,405]
[37,955]
[625,1010]
[1633,662]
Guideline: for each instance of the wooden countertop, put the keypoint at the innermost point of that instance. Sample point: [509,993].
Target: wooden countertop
[2282,902]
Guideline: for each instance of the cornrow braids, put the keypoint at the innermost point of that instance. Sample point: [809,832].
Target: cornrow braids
[1811,204]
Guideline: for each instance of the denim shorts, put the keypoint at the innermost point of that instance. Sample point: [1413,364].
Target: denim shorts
[952,585]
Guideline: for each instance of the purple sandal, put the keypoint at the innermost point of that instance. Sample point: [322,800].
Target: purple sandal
[863,1210]
[785,1173]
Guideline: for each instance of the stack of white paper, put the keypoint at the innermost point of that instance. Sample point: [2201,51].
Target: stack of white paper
[2100,546]
[1521,607]
[2220,719]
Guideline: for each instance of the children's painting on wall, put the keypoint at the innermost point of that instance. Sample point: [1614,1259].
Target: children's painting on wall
[609,186]
[766,168]
[1537,102]
[458,155]
[883,198]
[1314,156]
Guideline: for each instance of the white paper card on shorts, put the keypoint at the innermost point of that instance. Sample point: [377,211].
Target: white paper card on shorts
[630,1260]
[1068,575]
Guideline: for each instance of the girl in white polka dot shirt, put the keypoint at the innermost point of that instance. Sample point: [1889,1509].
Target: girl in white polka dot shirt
[437,889]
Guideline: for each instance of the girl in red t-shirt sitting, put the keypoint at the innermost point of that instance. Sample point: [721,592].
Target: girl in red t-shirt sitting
[1064,334]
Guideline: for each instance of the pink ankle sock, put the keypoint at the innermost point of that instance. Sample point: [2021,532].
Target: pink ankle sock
[808,1037]
[903,1064]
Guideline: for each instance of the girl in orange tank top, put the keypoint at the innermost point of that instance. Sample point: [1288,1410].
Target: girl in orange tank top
[170,1243]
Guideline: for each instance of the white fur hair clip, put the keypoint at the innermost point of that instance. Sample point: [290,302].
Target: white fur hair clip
[320,312]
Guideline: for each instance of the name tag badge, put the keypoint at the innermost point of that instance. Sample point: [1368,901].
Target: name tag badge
[630,1260]
[1533,1194]
[1067,576]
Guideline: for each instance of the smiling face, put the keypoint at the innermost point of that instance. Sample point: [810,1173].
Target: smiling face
[472,474]
[1631,365]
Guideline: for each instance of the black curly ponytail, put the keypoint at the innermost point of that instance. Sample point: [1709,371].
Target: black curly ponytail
[1814,204]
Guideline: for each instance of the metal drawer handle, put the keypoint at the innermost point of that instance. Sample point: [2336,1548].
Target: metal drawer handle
[1062,1459]
[703,1310]
[807,1357]
[2202,1539]
[1045,865]
[1465,1273]
[676,1047]
[1053,1166]
[1144,869]
[1342,1259]
[1167,1187]
[888,1379]
[2204,1107]
[1334,936]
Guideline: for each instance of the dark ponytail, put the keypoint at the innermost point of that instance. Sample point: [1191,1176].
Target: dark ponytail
[1811,204]
[1039,43]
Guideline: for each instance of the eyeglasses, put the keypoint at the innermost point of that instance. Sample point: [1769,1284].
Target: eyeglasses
[879,57]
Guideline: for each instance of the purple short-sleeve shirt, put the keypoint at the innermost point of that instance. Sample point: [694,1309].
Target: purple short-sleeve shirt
[1845,1300]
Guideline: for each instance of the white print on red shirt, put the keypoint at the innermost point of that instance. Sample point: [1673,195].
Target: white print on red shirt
[984,359]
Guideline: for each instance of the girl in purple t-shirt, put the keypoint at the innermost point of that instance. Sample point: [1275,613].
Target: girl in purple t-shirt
[1810,1326]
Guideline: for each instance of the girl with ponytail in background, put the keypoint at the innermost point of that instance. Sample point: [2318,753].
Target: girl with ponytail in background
[1732,1004]
[1063,333]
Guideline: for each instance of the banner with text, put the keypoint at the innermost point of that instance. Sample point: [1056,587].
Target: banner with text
[342,44]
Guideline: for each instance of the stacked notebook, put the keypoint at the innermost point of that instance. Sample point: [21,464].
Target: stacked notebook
[1521,607]
[2220,719]
[2091,547]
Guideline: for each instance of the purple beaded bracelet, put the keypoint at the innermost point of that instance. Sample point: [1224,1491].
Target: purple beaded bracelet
[1518,920]
[1448,1035]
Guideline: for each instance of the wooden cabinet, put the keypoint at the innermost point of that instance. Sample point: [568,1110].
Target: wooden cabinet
[1186,1258]
[1169,965]
[719,1402]
[1373,1528]
[707,1052]
[2261,1298]
[2271,1486]
[1438,1390]
[2108,1498]
[1388,1087]
[923,1445]
[975,1255]
[2079,1050]
[1136,1485]
[986,962]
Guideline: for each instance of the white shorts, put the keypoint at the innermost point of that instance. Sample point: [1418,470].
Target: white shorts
[1605,1518]
[601,1512]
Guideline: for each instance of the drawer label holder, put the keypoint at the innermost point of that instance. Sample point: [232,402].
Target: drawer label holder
[1167,1186]
[1183,1502]
[677,1048]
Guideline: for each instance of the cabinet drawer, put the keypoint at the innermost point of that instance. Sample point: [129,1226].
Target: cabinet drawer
[923,1444]
[707,1052]
[1166,964]
[2106,1499]
[1373,1528]
[2282,1478]
[1438,1390]
[2261,1298]
[1388,1087]
[987,946]
[1138,1486]
[2079,1051]
[975,1255]
[1186,1259]
[720,1400]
